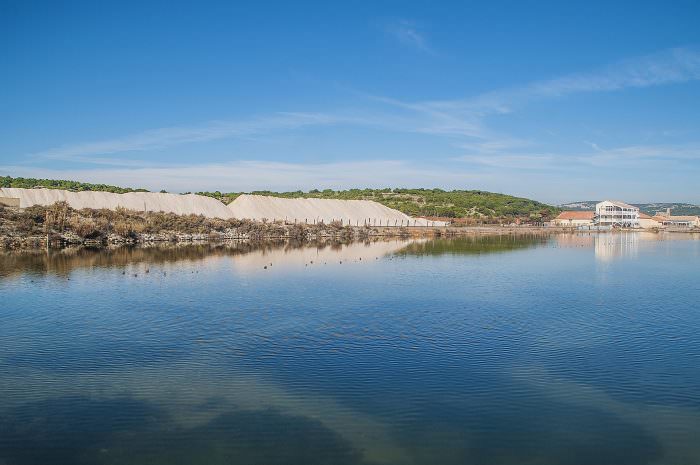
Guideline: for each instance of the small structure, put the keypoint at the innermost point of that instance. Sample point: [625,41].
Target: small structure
[616,214]
[666,220]
[10,202]
[649,222]
[683,222]
[574,218]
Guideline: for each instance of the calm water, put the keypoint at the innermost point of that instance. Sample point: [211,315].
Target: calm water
[562,350]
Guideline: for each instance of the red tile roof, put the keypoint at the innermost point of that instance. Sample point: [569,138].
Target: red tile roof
[573,215]
[662,218]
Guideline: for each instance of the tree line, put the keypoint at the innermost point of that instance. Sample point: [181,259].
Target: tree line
[414,202]
[28,183]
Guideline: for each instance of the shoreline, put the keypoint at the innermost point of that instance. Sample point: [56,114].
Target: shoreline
[267,232]
[282,232]
[58,226]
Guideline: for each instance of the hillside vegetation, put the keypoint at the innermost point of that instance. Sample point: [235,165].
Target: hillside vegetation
[28,183]
[427,202]
[414,202]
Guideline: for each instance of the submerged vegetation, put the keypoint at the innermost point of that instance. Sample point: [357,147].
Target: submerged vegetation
[437,203]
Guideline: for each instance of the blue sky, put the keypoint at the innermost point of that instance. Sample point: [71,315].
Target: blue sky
[557,101]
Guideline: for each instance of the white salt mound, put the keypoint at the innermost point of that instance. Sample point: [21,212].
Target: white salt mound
[253,207]
[353,212]
[139,201]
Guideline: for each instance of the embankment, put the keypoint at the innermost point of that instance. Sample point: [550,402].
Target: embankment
[60,225]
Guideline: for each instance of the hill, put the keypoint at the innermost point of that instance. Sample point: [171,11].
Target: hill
[426,202]
[648,208]
[413,202]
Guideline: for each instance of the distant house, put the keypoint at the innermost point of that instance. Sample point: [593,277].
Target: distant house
[666,220]
[649,222]
[679,221]
[574,218]
[616,214]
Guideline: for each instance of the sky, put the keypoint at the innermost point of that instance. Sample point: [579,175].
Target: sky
[554,101]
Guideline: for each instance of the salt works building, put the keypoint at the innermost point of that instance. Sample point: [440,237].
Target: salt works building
[616,214]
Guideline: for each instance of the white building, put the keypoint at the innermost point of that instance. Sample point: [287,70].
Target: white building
[616,214]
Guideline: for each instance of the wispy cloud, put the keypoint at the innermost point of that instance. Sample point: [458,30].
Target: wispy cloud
[667,67]
[161,138]
[515,161]
[408,33]
[467,118]
[637,154]
[634,156]
[494,145]
[462,118]
[670,66]
[465,124]
[498,172]
[259,175]
[431,119]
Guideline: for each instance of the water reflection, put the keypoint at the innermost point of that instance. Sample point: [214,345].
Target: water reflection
[253,256]
[524,357]
[256,255]
[628,244]
[619,245]
[81,430]
[300,256]
[248,255]
[457,429]
[475,245]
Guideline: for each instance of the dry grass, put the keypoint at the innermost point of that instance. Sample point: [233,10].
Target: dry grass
[94,224]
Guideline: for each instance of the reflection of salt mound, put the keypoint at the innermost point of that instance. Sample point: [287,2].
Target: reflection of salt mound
[298,257]
[140,201]
[353,212]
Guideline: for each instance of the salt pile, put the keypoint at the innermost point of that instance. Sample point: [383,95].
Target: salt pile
[311,211]
[139,201]
[252,207]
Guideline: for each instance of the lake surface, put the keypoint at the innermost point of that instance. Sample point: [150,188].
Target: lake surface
[570,349]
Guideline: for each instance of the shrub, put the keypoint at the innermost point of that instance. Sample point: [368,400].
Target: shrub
[87,228]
